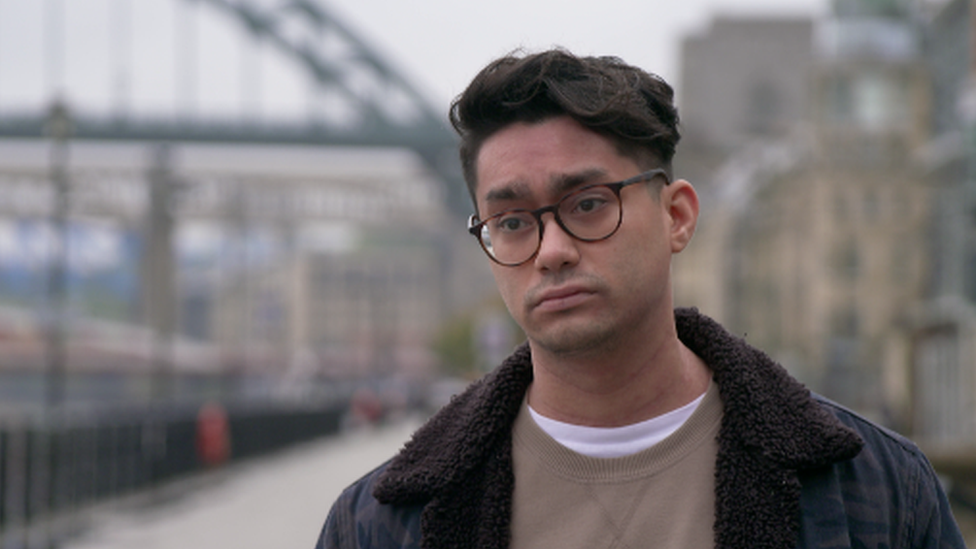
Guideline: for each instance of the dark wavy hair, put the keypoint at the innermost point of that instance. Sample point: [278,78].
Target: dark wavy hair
[633,108]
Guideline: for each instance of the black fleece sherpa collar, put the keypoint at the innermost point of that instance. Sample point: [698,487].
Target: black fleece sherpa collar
[460,461]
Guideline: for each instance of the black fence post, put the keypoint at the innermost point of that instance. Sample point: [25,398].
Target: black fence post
[4,487]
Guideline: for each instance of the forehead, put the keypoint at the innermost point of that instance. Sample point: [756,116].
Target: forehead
[532,159]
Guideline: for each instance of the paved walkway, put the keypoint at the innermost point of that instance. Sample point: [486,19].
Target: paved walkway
[269,503]
[278,501]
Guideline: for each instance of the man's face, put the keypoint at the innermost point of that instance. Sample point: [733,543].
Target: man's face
[576,296]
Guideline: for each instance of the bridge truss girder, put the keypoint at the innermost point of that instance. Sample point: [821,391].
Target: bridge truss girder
[387,110]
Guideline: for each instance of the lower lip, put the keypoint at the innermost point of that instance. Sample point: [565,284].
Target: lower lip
[563,303]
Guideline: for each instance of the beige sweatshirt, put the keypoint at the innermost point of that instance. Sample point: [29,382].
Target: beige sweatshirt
[661,497]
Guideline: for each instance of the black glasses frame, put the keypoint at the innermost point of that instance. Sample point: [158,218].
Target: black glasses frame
[475,227]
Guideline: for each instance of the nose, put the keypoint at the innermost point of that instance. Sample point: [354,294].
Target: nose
[557,249]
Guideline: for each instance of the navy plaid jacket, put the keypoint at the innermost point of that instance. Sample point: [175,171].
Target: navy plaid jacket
[793,469]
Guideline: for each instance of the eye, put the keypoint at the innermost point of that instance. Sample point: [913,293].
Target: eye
[589,205]
[588,202]
[512,222]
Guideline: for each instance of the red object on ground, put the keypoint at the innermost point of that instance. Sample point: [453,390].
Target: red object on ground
[366,407]
[213,435]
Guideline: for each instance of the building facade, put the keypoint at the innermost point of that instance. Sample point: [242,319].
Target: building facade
[820,230]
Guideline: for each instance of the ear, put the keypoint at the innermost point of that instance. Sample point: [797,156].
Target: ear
[681,202]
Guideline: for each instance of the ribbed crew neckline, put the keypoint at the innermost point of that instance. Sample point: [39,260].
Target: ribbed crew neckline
[616,441]
[564,462]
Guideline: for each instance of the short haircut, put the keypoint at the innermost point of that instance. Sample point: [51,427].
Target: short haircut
[634,109]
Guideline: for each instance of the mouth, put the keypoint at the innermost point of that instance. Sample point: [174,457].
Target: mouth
[560,299]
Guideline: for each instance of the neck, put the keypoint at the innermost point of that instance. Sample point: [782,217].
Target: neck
[619,387]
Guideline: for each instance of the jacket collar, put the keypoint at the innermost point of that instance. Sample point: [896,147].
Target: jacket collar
[453,442]
[771,428]
[766,410]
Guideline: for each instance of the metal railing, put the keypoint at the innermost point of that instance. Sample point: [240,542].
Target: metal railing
[51,470]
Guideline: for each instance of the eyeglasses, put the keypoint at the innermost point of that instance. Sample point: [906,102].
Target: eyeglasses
[590,213]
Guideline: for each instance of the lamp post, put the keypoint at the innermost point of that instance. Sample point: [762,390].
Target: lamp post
[159,270]
[59,130]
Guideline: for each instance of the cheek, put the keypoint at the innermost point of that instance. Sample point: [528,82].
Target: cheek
[508,288]
[642,257]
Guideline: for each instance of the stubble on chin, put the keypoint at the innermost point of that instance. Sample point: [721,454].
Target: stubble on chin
[572,343]
[574,337]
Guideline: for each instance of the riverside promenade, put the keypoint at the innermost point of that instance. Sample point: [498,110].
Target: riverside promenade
[275,501]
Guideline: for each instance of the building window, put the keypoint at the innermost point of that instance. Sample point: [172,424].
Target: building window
[764,108]
[840,99]
[872,101]
[871,205]
[879,102]
[847,262]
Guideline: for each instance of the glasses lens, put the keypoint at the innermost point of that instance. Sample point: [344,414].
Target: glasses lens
[592,213]
[510,237]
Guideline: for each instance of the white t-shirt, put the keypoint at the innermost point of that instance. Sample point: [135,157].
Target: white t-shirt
[611,442]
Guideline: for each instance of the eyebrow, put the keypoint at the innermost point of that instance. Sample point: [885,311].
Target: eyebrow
[562,184]
[558,185]
[512,191]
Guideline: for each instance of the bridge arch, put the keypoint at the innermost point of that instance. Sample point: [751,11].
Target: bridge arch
[364,100]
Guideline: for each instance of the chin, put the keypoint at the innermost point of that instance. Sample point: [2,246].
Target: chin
[574,341]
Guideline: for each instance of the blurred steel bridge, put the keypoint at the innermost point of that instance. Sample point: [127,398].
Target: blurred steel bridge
[354,96]
[352,140]
[65,152]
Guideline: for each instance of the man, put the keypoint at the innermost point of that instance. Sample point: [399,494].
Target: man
[621,422]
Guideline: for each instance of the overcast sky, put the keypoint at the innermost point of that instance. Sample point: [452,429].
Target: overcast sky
[445,42]
[438,44]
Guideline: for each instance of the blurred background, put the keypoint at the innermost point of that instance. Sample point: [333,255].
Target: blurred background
[229,226]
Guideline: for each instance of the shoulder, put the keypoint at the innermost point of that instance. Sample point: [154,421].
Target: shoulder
[889,489]
[358,520]
[889,463]
[883,445]
[383,508]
